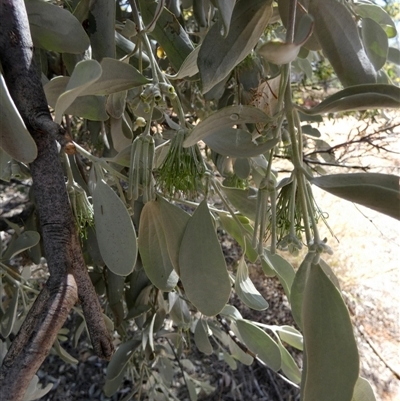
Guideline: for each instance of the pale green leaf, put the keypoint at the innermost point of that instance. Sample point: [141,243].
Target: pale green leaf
[291,336]
[332,356]
[379,15]
[35,390]
[112,386]
[173,220]
[379,192]
[55,28]
[279,52]
[360,97]
[375,42]
[225,118]
[228,359]
[289,366]
[153,248]
[189,66]
[26,240]
[239,354]
[238,143]
[114,230]
[202,264]
[8,318]
[63,354]
[363,391]
[85,73]
[219,55]
[115,76]
[121,357]
[246,290]
[201,334]
[282,267]
[244,200]
[337,33]
[394,55]
[14,137]
[259,342]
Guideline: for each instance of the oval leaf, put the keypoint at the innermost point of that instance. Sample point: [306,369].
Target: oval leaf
[225,118]
[332,355]
[245,289]
[55,28]
[219,55]
[202,264]
[85,73]
[291,336]
[14,137]
[259,342]
[238,143]
[363,391]
[26,240]
[153,248]
[114,230]
[375,42]
[379,192]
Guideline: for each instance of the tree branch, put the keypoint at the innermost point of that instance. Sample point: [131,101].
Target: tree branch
[69,279]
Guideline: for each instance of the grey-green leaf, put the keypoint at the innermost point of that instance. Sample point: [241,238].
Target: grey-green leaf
[291,336]
[259,342]
[14,137]
[359,97]
[153,248]
[337,33]
[202,264]
[379,192]
[201,334]
[8,319]
[375,42]
[289,366]
[219,55]
[363,391]
[55,28]
[332,355]
[244,200]
[238,143]
[246,290]
[114,230]
[26,240]
[225,118]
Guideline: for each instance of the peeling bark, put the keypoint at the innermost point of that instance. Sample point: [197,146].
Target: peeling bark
[69,280]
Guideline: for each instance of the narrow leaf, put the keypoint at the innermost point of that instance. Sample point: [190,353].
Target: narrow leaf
[8,319]
[26,240]
[201,334]
[379,192]
[375,42]
[219,55]
[259,342]
[291,336]
[14,137]
[153,248]
[289,366]
[225,118]
[189,66]
[246,290]
[114,230]
[359,97]
[337,33]
[202,265]
[332,355]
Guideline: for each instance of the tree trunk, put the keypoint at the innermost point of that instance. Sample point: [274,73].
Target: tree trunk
[69,280]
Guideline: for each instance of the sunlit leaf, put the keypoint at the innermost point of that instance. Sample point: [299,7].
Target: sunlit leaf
[153,248]
[363,391]
[55,28]
[219,55]
[114,230]
[225,118]
[259,342]
[189,66]
[379,192]
[246,290]
[202,265]
[291,336]
[332,355]
[337,33]
[375,42]
[14,137]
[289,366]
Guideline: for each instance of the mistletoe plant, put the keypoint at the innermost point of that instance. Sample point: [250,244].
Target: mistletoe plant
[167,107]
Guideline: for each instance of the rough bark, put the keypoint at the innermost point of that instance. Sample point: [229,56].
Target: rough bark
[69,279]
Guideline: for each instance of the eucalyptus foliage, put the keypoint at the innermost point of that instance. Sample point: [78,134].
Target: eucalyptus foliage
[170,110]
